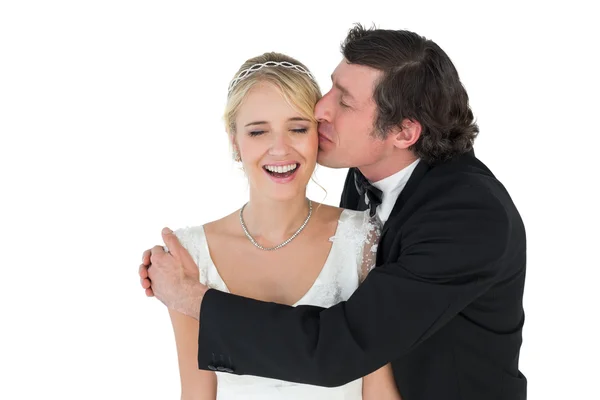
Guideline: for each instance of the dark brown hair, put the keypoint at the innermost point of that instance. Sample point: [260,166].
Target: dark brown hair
[420,83]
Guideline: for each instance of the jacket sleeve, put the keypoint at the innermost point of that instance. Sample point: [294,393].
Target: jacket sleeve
[451,252]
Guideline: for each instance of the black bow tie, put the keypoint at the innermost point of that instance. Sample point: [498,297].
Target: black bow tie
[363,186]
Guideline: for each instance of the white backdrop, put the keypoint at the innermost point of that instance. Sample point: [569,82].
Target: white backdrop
[110,116]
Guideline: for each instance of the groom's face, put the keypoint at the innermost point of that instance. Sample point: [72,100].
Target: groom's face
[346,116]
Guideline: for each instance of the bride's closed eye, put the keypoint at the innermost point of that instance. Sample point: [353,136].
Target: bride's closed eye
[260,132]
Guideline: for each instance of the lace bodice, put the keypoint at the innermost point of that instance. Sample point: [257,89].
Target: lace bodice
[351,256]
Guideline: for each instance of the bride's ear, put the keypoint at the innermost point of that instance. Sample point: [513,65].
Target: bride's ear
[235,149]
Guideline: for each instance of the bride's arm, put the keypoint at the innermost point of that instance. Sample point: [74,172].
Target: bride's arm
[380,385]
[196,384]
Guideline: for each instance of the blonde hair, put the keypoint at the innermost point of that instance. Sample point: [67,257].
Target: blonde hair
[299,90]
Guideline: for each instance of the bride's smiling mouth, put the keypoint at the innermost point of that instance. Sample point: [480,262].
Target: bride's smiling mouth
[282,172]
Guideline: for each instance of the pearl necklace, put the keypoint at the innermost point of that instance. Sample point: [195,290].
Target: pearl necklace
[279,245]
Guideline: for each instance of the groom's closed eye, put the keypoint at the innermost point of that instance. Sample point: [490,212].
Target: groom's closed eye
[299,130]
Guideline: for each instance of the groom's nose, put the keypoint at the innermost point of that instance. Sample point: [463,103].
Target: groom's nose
[323,109]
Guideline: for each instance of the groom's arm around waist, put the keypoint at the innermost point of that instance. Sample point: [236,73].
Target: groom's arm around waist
[452,251]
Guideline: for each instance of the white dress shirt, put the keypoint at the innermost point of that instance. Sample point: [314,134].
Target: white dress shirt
[391,188]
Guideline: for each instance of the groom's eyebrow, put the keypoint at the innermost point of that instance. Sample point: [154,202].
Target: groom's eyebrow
[341,88]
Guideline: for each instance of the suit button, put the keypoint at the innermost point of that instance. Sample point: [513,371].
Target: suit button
[212,367]
[227,370]
[221,369]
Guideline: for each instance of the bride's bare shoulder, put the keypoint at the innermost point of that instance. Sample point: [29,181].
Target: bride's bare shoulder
[327,213]
[226,226]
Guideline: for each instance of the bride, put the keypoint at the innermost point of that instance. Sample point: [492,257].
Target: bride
[280,246]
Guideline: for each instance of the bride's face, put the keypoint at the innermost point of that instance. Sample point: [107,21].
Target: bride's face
[278,145]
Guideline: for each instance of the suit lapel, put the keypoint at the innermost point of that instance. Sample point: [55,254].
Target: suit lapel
[411,186]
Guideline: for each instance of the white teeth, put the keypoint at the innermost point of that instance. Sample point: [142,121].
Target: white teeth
[280,169]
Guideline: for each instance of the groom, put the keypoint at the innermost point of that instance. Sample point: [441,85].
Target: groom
[444,304]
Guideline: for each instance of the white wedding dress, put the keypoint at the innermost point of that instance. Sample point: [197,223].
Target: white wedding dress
[351,256]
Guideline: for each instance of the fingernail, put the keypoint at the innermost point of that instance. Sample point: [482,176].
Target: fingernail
[166,231]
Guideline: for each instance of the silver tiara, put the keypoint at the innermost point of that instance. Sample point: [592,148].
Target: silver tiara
[257,67]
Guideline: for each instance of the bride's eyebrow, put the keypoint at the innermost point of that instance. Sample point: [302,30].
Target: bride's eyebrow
[293,119]
[256,123]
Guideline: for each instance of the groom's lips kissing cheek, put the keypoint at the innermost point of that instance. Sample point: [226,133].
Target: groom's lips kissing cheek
[324,134]
[282,172]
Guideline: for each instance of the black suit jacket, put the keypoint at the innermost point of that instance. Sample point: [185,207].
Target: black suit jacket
[444,303]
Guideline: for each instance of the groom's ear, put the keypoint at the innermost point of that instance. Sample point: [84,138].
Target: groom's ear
[406,134]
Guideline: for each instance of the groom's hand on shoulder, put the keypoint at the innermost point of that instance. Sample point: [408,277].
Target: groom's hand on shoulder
[157,255]
[177,253]
[180,254]
[170,274]
[143,273]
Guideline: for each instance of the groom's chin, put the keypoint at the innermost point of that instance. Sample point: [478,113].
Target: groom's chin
[325,159]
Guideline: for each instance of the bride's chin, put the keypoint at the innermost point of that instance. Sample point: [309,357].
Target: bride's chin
[283,193]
